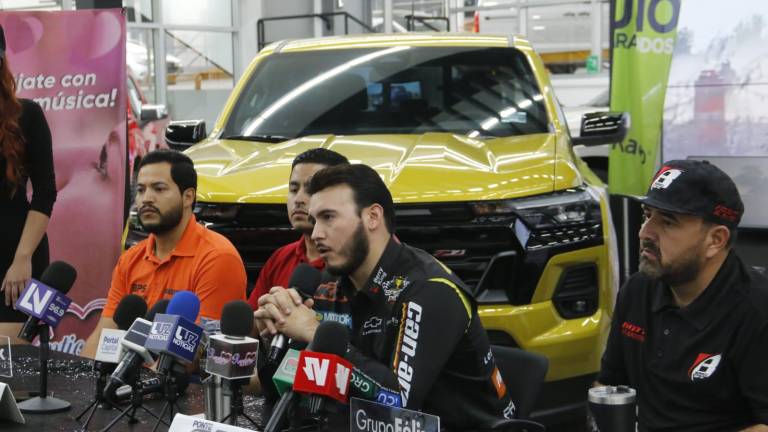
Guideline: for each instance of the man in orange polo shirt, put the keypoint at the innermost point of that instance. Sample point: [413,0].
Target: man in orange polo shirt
[179,254]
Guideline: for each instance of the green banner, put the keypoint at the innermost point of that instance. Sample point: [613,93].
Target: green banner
[643,39]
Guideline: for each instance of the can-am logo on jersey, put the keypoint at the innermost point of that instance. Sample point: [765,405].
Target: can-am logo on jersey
[409,341]
[185,339]
[704,366]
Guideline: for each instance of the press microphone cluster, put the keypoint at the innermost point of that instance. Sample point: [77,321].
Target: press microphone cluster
[320,372]
[109,349]
[305,279]
[134,352]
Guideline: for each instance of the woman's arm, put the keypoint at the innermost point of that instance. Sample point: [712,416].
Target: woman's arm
[15,279]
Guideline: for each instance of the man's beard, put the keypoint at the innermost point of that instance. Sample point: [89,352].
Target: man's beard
[356,250]
[674,273]
[168,221]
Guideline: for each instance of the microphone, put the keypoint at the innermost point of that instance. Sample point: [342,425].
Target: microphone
[286,372]
[135,354]
[159,307]
[45,300]
[174,335]
[232,354]
[305,279]
[323,372]
[129,308]
[148,386]
[331,337]
[108,351]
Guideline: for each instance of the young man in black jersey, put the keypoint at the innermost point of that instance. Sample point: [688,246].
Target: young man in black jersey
[416,334]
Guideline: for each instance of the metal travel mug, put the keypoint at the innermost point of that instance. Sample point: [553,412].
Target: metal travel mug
[613,408]
[218,403]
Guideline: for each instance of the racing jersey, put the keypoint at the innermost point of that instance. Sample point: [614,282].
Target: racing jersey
[417,341]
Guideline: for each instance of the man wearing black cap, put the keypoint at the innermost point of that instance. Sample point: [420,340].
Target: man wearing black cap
[690,329]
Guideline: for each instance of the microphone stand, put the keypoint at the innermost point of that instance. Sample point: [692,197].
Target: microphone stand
[104,369]
[136,403]
[171,389]
[43,404]
[237,409]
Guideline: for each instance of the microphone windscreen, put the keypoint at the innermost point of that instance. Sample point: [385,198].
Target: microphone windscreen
[326,277]
[159,307]
[129,308]
[237,319]
[305,279]
[331,338]
[59,276]
[185,304]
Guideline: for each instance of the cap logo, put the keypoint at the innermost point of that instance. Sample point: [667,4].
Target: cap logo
[726,213]
[665,178]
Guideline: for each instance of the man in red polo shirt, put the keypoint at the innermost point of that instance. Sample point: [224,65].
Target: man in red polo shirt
[179,254]
[279,267]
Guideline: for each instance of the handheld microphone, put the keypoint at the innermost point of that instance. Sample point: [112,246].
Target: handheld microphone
[305,279]
[45,300]
[232,354]
[174,335]
[286,372]
[323,372]
[331,337]
[134,354]
[128,310]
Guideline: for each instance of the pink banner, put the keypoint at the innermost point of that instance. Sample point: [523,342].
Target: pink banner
[73,65]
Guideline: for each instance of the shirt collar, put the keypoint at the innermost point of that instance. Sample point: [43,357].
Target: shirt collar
[381,271]
[187,245]
[700,312]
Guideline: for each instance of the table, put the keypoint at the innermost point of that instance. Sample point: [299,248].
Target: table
[72,378]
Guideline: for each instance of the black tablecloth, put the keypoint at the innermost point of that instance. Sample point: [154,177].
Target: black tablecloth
[73,379]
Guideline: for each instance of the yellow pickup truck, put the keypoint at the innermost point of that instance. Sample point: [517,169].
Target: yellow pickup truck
[467,133]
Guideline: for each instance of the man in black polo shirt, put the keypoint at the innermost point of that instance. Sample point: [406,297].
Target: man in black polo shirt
[690,330]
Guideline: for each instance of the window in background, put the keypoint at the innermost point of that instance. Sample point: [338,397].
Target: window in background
[140,52]
[199,60]
[201,84]
[138,11]
[210,13]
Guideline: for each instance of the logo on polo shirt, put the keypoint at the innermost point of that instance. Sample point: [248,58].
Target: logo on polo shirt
[633,331]
[704,366]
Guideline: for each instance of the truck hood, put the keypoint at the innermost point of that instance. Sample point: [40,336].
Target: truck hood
[433,167]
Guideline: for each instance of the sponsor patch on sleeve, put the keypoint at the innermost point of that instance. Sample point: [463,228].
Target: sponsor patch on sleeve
[498,383]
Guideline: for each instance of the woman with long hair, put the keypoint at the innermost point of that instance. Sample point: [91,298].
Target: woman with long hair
[25,155]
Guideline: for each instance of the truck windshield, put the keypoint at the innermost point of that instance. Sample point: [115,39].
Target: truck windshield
[479,92]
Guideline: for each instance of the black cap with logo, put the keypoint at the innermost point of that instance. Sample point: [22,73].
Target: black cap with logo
[696,188]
